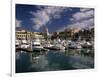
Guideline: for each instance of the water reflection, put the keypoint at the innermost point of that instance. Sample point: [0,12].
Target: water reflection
[22,62]
[54,60]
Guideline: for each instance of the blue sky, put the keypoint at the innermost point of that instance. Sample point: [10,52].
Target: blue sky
[56,18]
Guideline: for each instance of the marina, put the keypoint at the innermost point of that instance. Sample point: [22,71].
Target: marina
[47,54]
[53,38]
[36,45]
[37,56]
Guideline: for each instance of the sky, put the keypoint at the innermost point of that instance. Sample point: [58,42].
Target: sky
[56,18]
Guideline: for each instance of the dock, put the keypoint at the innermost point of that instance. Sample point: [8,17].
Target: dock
[29,49]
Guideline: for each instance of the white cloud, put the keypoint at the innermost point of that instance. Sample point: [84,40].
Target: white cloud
[44,15]
[82,19]
[83,24]
[85,9]
[83,15]
[18,23]
[41,18]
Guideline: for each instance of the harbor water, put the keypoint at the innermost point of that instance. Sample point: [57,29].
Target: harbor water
[54,60]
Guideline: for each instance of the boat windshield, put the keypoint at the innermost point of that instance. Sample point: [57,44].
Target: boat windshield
[36,45]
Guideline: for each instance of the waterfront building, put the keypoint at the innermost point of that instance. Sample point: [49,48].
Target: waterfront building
[75,34]
[27,35]
[23,35]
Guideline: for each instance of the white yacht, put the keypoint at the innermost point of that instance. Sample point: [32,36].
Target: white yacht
[74,45]
[24,44]
[58,46]
[47,45]
[17,43]
[36,45]
[86,44]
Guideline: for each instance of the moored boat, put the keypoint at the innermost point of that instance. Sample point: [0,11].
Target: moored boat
[74,45]
[24,44]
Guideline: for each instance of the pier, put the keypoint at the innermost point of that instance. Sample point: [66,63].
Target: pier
[29,49]
[23,49]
